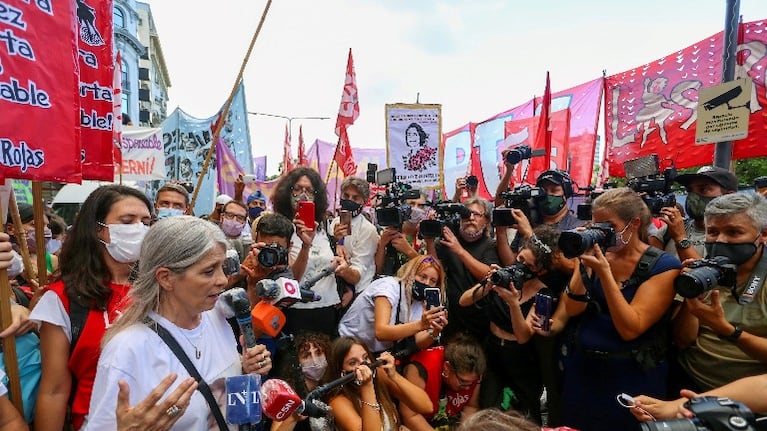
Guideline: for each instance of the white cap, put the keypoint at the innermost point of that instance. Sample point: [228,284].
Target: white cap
[223,199]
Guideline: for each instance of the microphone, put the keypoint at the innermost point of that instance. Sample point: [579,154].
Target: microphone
[267,318]
[242,313]
[309,283]
[282,292]
[279,401]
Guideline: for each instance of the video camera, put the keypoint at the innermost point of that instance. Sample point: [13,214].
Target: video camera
[574,243]
[393,210]
[704,275]
[283,292]
[523,198]
[522,152]
[584,210]
[514,275]
[710,413]
[447,214]
[272,255]
[644,176]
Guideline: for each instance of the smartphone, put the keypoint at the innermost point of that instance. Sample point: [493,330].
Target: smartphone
[306,213]
[249,179]
[543,308]
[433,297]
[345,217]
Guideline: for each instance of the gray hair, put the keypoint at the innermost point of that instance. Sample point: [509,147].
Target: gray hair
[358,183]
[175,243]
[752,205]
[484,203]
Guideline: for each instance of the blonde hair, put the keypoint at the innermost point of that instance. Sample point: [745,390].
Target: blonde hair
[408,271]
[627,205]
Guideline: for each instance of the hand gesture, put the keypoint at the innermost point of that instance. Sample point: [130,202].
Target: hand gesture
[596,260]
[460,184]
[510,295]
[387,235]
[151,414]
[239,185]
[432,318]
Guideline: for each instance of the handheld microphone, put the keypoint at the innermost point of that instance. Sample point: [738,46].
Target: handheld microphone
[280,401]
[267,318]
[242,313]
[309,283]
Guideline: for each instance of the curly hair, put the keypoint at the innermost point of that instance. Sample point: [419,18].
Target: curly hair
[543,244]
[282,197]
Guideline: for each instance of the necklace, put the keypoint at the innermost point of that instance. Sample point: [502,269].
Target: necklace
[197,351]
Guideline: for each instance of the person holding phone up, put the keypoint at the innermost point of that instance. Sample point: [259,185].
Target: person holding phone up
[397,306]
[310,252]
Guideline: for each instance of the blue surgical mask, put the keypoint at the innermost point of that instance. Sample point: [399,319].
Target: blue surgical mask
[168,212]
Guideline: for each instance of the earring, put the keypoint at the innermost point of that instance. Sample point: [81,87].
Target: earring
[444,374]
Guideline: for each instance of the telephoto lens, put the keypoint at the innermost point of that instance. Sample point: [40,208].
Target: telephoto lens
[704,275]
[574,243]
[518,154]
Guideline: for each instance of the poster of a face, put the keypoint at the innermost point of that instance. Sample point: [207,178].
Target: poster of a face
[413,136]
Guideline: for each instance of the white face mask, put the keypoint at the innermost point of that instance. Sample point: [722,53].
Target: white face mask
[125,241]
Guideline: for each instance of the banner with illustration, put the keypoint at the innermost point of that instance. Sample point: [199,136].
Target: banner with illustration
[39,87]
[413,138]
[652,109]
[143,155]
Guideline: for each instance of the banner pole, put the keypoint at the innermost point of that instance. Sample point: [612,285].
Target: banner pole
[227,105]
[9,343]
[37,207]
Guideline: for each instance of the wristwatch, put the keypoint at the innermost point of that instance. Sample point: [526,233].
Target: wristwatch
[684,243]
[735,334]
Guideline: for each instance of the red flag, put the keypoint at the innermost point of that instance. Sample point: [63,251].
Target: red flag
[287,164]
[544,130]
[347,114]
[301,156]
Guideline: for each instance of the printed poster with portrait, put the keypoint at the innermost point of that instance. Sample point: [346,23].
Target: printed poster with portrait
[413,137]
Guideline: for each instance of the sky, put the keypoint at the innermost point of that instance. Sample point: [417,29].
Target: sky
[476,58]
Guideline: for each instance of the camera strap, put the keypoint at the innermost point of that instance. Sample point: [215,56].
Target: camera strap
[755,281]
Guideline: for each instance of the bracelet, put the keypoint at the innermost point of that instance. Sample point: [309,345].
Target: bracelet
[576,297]
[374,406]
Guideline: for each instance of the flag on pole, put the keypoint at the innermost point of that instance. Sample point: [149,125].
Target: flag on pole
[347,114]
[117,103]
[302,161]
[287,164]
[544,129]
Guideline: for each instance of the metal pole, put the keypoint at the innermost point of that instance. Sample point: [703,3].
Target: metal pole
[723,150]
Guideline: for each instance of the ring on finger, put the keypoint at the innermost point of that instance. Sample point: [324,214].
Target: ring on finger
[173,411]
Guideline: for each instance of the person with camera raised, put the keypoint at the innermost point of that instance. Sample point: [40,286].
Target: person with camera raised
[722,330]
[397,246]
[268,256]
[466,188]
[466,256]
[619,299]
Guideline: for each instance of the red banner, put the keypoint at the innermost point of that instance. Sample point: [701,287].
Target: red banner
[651,110]
[39,125]
[348,112]
[94,19]
[518,132]
[287,160]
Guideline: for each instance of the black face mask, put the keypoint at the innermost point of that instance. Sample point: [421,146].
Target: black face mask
[349,205]
[419,290]
[737,252]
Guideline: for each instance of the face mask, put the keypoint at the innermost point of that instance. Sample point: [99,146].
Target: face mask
[17,266]
[470,237]
[231,227]
[737,252]
[419,290]
[552,205]
[417,215]
[32,239]
[168,212]
[301,197]
[53,246]
[314,370]
[349,205]
[255,212]
[125,241]
[695,205]
[621,242]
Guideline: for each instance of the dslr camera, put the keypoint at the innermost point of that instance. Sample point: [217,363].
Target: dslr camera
[710,414]
[524,198]
[272,255]
[514,275]
[393,210]
[449,214]
[645,177]
[584,210]
[704,275]
[574,243]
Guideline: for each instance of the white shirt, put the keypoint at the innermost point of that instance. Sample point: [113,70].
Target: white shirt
[320,257]
[50,310]
[359,320]
[3,389]
[361,247]
[140,357]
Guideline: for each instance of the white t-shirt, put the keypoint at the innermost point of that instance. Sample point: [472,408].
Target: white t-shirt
[3,389]
[359,320]
[320,257]
[361,246]
[50,310]
[140,357]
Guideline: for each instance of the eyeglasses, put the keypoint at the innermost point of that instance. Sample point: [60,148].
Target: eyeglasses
[476,214]
[298,190]
[237,217]
[464,383]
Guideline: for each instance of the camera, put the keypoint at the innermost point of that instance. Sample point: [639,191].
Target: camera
[370,174]
[704,275]
[517,154]
[472,182]
[393,210]
[231,264]
[523,198]
[574,243]
[646,178]
[710,413]
[514,275]
[584,210]
[448,214]
[272,255]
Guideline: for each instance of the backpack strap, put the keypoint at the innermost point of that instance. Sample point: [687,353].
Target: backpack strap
[644,267]
[78,314]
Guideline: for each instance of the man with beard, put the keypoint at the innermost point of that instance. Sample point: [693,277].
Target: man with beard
[689,236]
[466,256]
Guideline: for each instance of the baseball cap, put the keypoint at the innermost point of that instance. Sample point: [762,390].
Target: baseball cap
[223,199]
[553,176]
[256,196]
[721,176]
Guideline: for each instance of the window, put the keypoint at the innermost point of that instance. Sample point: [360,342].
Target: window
[118,18]
[125,96]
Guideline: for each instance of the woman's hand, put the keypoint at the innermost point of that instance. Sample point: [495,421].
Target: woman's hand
[596,260]
[430,318]
[388,365]
[537,323]
[256,360]
[364,375]
[510,295]
[304,233]
[649,409]
[675,222]
[151,414]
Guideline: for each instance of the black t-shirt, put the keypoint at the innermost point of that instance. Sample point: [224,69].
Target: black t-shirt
[471,319]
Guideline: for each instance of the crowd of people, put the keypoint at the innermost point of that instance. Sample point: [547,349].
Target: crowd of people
[513,315]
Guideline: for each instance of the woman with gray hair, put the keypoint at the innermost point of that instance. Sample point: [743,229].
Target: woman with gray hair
[180,278]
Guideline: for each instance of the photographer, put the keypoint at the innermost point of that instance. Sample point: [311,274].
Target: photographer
[466,188]
[620,298]
[397,246]
[466,257]
[723,333]
[689,235]
[271,231]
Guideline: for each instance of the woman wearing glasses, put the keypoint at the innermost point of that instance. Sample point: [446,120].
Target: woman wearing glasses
[310,252]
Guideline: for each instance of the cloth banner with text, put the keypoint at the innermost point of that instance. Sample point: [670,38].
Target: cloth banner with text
[523,131]
[143,155]
[652,109]
[456,161]
[413,138]
[96,78]
[39,84]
